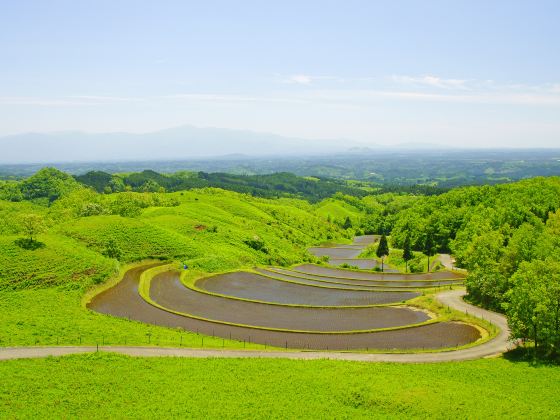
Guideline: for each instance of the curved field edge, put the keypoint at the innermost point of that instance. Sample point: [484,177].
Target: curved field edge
[368,286]
[426,302]
[441,313]
[294,268]
[144,289]
[330,285]
[50,317]
[190,278]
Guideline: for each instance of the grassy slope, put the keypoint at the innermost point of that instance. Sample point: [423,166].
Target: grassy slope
[338,210]
[41,290]
[62,262]
[103,385]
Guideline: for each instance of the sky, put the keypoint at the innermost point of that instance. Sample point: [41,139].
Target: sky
[458,73]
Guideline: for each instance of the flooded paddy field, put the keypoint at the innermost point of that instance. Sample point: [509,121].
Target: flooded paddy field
[346,274]
[253,286]
[169,292]
[123,300]
[406,282]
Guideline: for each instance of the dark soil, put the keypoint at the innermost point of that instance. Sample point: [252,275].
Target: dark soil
[252,286]
[368,284]
[346,274]
[169,292]
[124,301]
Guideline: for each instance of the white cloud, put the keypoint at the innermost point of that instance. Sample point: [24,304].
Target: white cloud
[301,79]
[431,81]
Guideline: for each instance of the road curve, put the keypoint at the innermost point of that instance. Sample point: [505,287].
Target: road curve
[452,298]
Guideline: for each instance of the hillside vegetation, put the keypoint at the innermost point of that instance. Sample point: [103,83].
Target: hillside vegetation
[82,238]
[57,233]
[271,185]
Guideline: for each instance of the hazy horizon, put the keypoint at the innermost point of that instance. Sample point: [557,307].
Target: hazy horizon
[467,74]
[187,142]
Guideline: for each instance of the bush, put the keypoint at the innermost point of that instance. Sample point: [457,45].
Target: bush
[257,244]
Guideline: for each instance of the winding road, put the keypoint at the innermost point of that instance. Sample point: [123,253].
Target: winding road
[452,298]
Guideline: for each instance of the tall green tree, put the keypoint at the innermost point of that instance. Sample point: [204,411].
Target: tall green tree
[382,250]
[407,252]
[32,224]
[534,304]
[347,223]
[429,248]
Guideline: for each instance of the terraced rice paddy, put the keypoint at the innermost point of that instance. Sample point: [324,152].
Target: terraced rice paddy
[362,283]
[309,306]
[255,287]
[348,254]
[346,274]
[167,290]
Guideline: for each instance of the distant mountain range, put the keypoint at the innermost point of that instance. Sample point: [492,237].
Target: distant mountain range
[184,142]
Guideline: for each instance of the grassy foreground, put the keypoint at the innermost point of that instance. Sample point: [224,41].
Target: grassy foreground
[107,385]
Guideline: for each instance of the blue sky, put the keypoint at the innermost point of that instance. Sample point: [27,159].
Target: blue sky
[471,73]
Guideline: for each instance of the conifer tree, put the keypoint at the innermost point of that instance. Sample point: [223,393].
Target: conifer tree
[382,249]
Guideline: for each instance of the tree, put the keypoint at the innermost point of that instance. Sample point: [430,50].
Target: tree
[49,184]
[347,223]
[32,224]
[382,249]
[534,304]
[112,250]
[429,248]
[407,252]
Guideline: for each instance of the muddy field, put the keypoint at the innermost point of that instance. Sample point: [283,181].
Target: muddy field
[124,301]
[362,263]
[252,286]
[391,283]
[347,254]
[345,274]
[338,252]
[324,284]
[169,292]
[365,240]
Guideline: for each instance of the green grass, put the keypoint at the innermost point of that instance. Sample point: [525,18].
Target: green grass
[41,290]
[418,264]
[50,316]
[113,386]
[338,210]
[62,262]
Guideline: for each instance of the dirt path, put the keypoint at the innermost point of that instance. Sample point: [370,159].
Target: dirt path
[451,298]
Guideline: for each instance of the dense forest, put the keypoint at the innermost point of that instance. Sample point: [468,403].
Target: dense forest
[507,236]
[270,186]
